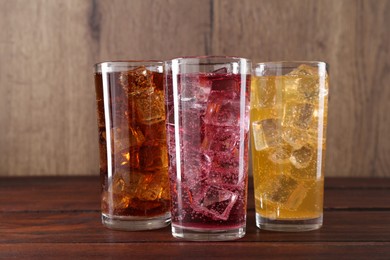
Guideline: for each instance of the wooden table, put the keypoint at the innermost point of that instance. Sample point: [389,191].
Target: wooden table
[55,217]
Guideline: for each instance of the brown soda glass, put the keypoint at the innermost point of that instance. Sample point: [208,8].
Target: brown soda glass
[132,143]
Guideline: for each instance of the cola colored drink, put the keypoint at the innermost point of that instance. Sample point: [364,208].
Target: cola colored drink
[207,134]
[133,148]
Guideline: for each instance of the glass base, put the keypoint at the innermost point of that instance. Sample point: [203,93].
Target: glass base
[200,234]
[288,225]
[130,223]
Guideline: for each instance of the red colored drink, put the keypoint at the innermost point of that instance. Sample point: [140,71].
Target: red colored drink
[208,152]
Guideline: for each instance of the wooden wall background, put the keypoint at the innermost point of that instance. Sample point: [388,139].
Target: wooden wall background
[48,47]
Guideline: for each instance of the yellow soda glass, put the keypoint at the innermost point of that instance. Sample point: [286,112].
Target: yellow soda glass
[289,103]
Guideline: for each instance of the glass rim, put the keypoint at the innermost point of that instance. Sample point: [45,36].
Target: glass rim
[291,64]
[196,59]
[124,63]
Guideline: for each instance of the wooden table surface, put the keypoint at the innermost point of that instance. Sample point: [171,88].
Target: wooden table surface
[59,217]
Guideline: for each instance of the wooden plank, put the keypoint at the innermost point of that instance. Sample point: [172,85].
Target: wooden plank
[352,36]
[48,48]
[198,250]
[46,98]
[357,199]
[153,29]
[356,183]
[76,231]
[85,227]
[49,194]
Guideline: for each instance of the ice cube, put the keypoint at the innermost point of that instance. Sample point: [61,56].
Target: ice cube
[231,68]
[303,70]
[220,138]
[118,184]
[266,113]
[165,194]
[266,133]
[222,70]
[123,187]
[264,92]
[153,158]
[316,123]
[224,169]
[196,190]
[285,191]
[226,84]
[144,191]
[217,202]
[195,164]
[280,155]
[126,136]
[150,108]
[302,82]
[302,157]
[153,186]
[221,110]
[155,134]
[295,137]
[158,81]
[194,88]
[127,158]
[203,91]
[125,146]
[128,180]
[121,201]
[299,115]
[137,81]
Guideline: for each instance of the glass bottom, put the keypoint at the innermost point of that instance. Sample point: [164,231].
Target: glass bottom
[130,223]
[288,225]
[200,234]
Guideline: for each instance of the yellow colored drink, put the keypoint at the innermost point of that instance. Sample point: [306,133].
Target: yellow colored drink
[288,126]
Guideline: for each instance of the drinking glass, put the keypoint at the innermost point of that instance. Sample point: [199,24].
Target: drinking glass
[289,103]
[133,149]
[207,105]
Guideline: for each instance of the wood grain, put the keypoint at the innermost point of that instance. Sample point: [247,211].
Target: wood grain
[47,100]
[271,250]
[152,29]
[48,47]
[72,227]
[81,227]
[353,37]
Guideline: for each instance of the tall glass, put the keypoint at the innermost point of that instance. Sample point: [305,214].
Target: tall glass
[207,102]
[133,149]
[289,103]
